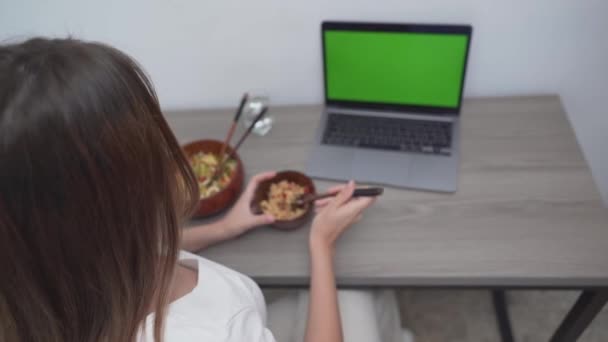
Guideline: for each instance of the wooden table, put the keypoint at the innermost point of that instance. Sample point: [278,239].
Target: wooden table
[527,213]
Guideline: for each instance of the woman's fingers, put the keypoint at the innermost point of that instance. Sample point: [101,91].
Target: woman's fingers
[357,205]
[323,202]
[263,219]
[262,176]
[257,179]
[336,188]
[332,190]
[344,195]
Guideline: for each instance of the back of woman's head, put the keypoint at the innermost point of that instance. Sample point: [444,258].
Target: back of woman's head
[92,188]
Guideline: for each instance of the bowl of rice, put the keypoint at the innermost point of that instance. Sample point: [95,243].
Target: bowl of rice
[219,192]
[274,197]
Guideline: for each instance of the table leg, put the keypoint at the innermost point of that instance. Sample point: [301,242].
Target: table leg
[587,306]
[502,316]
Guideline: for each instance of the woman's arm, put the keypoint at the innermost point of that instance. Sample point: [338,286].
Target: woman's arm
[239,220]
[323,313]
[200,237]
[324,323]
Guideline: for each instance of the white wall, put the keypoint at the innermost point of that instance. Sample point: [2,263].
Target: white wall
[204,53]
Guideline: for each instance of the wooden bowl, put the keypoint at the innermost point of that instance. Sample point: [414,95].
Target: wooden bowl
[218,202]
[261,194]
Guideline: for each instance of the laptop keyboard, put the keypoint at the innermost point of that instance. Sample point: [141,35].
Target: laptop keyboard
[404,135]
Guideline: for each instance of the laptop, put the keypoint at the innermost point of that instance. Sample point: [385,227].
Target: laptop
[393,94]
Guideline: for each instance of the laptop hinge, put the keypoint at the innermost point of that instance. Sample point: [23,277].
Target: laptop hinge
[447,117]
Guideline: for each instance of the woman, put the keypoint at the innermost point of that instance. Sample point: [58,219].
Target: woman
[93,191]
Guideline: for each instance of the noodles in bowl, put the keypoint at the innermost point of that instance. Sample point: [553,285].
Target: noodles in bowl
[275,197]
[280,198]
[204,166]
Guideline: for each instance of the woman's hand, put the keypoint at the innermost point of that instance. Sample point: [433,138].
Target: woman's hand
[322,203]
[336,214]
[240,218]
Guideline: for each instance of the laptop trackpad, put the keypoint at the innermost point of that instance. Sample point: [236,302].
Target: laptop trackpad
[330,162]
[376,166]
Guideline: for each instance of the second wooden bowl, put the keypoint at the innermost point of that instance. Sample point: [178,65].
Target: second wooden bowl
[261,194]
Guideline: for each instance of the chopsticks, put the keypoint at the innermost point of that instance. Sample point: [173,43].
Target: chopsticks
[232,128]
[360,192]
[249,129]
[223,157]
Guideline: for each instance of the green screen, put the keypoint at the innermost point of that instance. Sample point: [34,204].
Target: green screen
[403,68]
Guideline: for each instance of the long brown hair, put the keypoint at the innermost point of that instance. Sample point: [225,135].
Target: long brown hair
[93,186]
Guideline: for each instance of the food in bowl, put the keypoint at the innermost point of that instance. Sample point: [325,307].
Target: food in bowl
[280,198]
[204,166]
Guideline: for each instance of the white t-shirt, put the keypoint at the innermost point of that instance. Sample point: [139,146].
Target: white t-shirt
[224,306]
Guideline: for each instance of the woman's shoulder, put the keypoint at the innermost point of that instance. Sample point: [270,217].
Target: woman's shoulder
[210,273]
[223,305]
[221,288]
